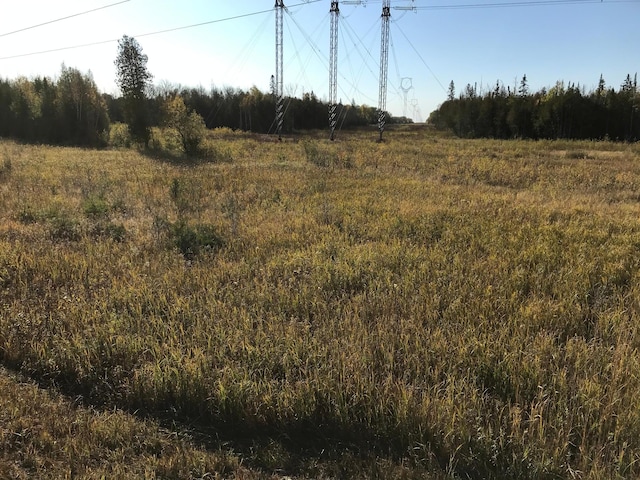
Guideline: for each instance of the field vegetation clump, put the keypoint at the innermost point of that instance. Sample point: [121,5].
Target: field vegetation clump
[422,307]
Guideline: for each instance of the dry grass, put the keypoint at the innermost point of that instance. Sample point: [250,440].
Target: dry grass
[449,307]
[43,435]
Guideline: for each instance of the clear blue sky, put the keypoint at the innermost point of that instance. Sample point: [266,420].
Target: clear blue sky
[548,41]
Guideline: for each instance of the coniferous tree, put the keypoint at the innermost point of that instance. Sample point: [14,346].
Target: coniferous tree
[134,79]
[451,93]
[628,85]
[562,111]
[601,87]
[523,91]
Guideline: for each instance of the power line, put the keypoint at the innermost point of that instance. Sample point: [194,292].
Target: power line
[356,40]
[148,34]
[512,4]
[63,18]
[422,59]
[423,7]
[522,3]
[393,4]
[318,52]
[42,52]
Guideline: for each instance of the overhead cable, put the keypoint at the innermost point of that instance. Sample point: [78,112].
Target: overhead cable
[63,18]
[422,59]
[148,34]
[512,4]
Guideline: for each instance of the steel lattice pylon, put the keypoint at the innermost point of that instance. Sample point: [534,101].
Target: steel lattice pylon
[278,83]
[406,84]
[333,69]
[384,66]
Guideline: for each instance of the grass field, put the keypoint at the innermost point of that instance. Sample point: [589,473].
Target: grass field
[427,307]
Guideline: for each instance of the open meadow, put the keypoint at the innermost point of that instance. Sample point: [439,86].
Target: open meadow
[426,307]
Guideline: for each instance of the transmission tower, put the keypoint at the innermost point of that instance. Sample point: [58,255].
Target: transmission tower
[384,66]
[417,114]
[333,69]
[278,84]
[406,84]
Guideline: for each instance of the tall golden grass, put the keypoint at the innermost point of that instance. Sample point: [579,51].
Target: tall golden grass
[467,308]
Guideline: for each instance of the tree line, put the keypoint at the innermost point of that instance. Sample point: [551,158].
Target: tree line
[67,110]
[562,111]
[70,110]
[249,110]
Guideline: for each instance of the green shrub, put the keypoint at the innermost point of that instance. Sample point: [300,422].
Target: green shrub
[315,155]
[578,155]
[192,240]
[96,206]
[119,136]
[65,228]
[26,215]
[326,156]
[216,153]
[189,127]
[115,231]
[164,140]
[6,167]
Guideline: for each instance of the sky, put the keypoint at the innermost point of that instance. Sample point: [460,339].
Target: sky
[433,42]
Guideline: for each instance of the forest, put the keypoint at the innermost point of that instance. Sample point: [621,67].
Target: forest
[70,109]
[565,111]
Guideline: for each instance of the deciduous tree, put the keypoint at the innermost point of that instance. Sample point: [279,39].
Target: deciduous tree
[189,126]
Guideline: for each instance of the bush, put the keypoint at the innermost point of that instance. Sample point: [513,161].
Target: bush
[6,167]
[96,206]
[326,157]
[164,140]
[189,127]
[191,240]
[119,136]
[65,228]
[114,231]
[26,215]
[315,155]
[578,155]
[215,154]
